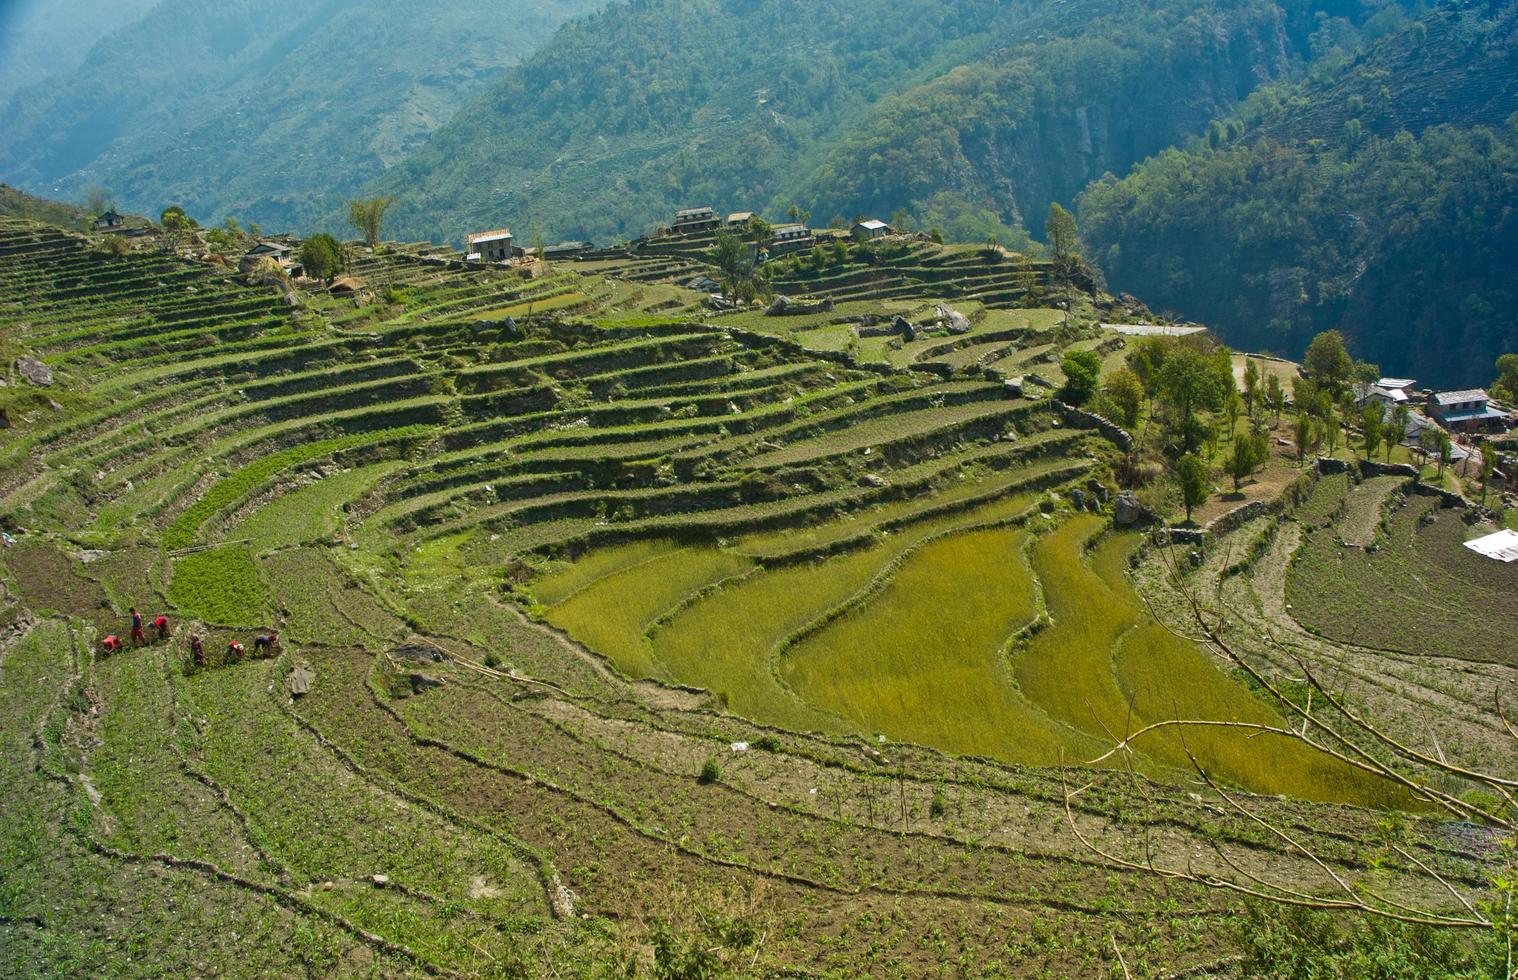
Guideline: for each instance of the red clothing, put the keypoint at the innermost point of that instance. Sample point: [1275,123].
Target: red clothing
[137,636]
[160,622]
[112,643]
[136,620]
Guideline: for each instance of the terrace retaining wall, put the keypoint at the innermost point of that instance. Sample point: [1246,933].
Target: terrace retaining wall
[1090,420]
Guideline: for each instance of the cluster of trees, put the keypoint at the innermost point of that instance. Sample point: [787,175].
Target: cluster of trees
[1403,241]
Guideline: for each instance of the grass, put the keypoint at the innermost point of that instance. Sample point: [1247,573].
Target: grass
[612,614]
[922,661]
[308,513]
[220,586]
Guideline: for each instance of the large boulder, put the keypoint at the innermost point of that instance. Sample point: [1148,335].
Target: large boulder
[34,371]
[1128,512]
[955,321]
[901,325]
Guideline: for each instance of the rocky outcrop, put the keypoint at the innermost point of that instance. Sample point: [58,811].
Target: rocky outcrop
[34,371]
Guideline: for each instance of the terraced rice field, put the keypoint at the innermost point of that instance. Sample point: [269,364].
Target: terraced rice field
[632,636]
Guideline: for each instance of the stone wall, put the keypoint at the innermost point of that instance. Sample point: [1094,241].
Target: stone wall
[1083,419]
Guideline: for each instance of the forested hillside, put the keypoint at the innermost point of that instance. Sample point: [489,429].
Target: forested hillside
[41,39]
[1377,196]
[264,111]
[969,113]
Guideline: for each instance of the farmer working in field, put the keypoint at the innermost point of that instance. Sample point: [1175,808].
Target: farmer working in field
[267,644]
[111,644]
[161,624]
[197,652]
[137,636]
[234,651]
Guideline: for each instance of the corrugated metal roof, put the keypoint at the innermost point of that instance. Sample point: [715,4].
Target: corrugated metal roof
[1502,546]
[1457,397]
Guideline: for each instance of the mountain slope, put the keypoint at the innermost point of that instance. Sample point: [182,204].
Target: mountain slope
[40,39]
[759,103]
[1339,203]
[268,112]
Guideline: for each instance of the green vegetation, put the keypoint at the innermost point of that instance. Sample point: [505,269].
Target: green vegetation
[221,586]
[866,111]
[1416,130]
[823,604]
[296,95]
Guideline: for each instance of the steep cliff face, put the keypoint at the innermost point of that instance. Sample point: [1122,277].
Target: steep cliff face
[1000,106]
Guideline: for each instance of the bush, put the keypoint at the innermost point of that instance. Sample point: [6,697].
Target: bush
[939,805]
[710,771]
[492,661]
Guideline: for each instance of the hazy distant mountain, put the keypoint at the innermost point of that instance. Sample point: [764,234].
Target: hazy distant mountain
[971,111]
[270,112]
[40,39]
[1379,197]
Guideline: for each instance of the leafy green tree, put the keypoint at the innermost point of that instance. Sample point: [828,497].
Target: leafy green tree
[1488,466]
[1301,431]
[1251,386]
[1328,361]
[1506,385]
[1242,461]
[1193,479]
[1187,385]
[1125,393]
[734,258]
[1370,428]
[174,219]
[1081,368]
[1064,248]
[1446,450]
[1275,397]
[1396,428]
[322,257]
[367,215]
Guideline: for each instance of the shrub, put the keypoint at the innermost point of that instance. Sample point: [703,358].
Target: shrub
[939,804]
[492,661]
[710,771]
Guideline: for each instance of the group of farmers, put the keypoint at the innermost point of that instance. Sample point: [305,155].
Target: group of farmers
[263,644]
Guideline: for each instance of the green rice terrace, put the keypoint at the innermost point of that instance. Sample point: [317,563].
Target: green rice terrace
[612,635]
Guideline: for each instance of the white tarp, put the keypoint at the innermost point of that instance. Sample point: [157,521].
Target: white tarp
[1503,546]
[1151,329]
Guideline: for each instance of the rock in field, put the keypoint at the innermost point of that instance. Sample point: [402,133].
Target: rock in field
[34,371]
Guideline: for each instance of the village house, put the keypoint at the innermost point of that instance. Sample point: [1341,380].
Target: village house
[790,238]
[490,246]
[739,218]
[691,221]
[1377,394]
[870,230]
[1469,410]
[279,253]
[109,221]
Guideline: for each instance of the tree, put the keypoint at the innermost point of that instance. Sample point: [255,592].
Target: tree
[367,214]
[98,200]
[1370,427]
[1081,368]
[1396,428]
[1275,397]
[1125,393]
[1446,451]
[1187,385]
[1506,385]
[1302,433]
[798,214]
[1242,461]
[322,257]
[735,259]
[1488,466]
[1064,248]
[1328,360]
[1193,477]
[1251,386]
[174,219]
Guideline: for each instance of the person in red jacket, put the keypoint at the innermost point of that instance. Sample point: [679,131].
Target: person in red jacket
[161,624]
[137,636]
[111,644]
[234,651]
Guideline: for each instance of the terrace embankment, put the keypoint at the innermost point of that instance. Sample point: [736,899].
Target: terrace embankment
[612,633]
